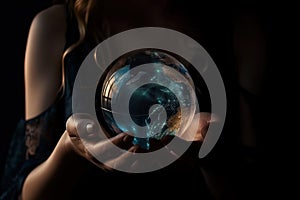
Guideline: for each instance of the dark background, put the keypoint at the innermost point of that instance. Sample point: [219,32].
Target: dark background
[277,22]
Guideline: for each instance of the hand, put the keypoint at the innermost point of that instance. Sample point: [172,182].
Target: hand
[116,152]
[199,126]
[87,141]
[194,135]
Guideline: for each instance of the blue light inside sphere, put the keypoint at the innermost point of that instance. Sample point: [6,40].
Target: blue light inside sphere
[166,95]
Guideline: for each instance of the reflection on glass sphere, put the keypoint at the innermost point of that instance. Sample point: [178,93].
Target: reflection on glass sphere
[147,93]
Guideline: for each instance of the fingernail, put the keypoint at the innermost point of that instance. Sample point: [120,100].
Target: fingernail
[89,128]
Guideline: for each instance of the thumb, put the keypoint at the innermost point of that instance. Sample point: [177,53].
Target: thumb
[84,126]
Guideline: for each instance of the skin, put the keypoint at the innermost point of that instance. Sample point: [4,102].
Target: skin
[45,46]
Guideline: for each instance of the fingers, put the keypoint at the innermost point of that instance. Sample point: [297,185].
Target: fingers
[89,142]
[135,161]
[125,160]
[198,127]
[117,152]
[110,148]
[84,126]
[193,132]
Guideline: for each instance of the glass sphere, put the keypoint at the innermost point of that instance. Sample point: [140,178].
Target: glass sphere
[147,93]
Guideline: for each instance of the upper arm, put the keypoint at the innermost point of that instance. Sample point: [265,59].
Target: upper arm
[43,60]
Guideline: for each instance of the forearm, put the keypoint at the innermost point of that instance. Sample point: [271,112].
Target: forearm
[54,178]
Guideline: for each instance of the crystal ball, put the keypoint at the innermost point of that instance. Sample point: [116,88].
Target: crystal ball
[146,93]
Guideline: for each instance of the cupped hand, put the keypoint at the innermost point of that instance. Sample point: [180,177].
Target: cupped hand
[88,141]
[118,152]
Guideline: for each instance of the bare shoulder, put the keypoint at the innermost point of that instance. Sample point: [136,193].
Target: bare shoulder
[43,59]
[50,20]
